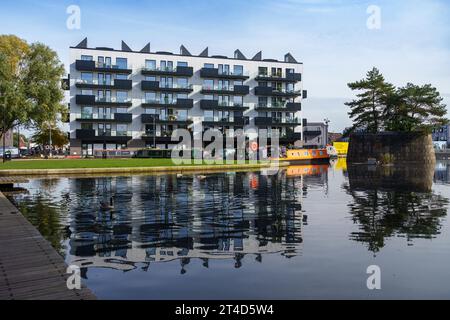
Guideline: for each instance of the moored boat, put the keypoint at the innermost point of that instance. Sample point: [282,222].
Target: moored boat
[305,156]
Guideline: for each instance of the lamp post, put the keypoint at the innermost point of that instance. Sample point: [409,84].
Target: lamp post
[327,122]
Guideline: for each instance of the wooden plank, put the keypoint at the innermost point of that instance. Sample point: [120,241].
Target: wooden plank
[30,268]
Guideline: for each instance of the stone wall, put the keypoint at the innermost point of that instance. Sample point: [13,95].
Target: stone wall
[391,147]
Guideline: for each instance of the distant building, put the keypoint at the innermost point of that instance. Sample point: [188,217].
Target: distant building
[314,134]
[442,134]
[8,139]
[334,136]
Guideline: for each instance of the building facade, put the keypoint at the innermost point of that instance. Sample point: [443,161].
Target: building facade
[442,135]
[315,134]
[124,99]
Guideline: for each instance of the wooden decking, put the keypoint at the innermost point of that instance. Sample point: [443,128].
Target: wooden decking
[30,269]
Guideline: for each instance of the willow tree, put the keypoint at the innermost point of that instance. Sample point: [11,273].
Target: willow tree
[367,111]
[30,84]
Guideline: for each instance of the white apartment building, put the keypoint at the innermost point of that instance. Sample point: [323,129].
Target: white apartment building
[125,99]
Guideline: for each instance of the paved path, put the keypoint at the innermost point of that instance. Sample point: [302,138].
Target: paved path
[30,269]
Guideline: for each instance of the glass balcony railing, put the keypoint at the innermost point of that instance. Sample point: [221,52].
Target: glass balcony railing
[112,66]
[175,86]
[95,82]
[159,101]
[218,88]
[113,99]
[163,69]
[233,104]
[112,133]
[233,73]
[95,116]
[272,105]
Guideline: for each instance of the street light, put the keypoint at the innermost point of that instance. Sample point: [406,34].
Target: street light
[327,122]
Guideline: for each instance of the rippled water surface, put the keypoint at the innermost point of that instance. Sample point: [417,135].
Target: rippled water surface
[307,232]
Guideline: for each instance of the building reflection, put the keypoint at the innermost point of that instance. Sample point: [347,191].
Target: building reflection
[442,173]
[165,218]
[394,202]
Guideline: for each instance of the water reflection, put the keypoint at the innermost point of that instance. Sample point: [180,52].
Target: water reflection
[391,202]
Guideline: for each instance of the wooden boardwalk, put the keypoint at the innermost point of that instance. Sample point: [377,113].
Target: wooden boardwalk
[30,269]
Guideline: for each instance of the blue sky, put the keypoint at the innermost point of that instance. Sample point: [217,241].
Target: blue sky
[329,36]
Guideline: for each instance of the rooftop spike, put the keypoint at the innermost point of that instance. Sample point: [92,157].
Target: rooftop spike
[289,58]
[146,49]
[238,55]
[258,56]
[125,47]
[184,51]
[204,53]
[83,44]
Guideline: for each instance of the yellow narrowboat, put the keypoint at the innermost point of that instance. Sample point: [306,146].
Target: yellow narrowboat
[341,148]
[305,156]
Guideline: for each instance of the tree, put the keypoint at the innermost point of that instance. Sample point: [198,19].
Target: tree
[58,137]
[367,110]
[30,84]
[415,108]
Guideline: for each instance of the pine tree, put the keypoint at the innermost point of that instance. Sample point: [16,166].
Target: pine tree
[367,111]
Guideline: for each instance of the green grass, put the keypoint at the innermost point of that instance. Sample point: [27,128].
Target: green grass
[85,163]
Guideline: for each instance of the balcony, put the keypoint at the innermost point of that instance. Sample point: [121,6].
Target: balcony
[312,133]
[219,105]
[270,91]
[214,73]
[159,137]
[227,121]
[108,101]
[289,77]
[166,103]
[91,135]
[117,84]
[175,72]
[83,65]
[232,90]
[172,119]
[288,107]
[114,117]
[175,87]
[268,121]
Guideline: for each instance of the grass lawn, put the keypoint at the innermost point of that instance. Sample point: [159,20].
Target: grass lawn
[85,163]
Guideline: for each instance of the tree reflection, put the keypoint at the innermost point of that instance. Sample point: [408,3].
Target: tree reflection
[394,202]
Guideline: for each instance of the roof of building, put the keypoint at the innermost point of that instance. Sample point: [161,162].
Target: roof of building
[288,58]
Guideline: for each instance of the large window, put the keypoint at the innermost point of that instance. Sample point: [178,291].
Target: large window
[262,71]
[208,84]
[87,112]
[122,77]
[150,97]
[182,82]
[238,70]
[182,115]
[224,69]
[87,58]
[122,63]
[87,77]
[150,64]
[209,65]
[182,64]
[122,129]
[122,96]
[166,65]
[209,115]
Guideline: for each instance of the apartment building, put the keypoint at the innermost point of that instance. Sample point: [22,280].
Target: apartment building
[125,99]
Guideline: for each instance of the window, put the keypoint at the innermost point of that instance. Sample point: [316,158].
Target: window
[87,112]
[277,72]
[121,110]
[290,87]
[150,78]
[182,96]
[87,58]
[86,92]
[166,82]
[238,100]
[166,98]
[262,71]
[87,126]
[122,96]
[208,97]
[182,82]
[224,69]
[182,115]
[151,111]
[238,70]
[208,65]
[87,77]
[122,129]
[150,97]
[224,85]
[121,77]
[150,64]
[108,62]
[108,79]
[101,61]
[224,100]
[209,115]
[238,82]
[182,64]
[208,84]
[166,65]
[289,71]
[122,63]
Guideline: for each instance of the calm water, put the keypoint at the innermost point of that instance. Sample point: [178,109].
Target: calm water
[308,232]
